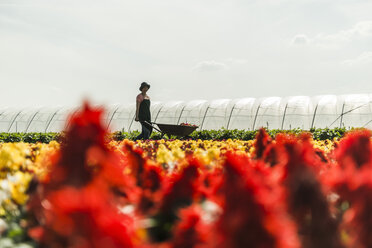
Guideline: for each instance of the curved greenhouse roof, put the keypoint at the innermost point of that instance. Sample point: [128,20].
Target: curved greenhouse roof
[247,113]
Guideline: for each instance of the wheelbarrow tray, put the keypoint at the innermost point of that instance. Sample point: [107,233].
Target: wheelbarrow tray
[177,130]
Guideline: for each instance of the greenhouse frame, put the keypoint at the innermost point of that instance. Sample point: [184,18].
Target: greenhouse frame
[246,113]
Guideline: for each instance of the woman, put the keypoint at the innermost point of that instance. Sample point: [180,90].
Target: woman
[143,111]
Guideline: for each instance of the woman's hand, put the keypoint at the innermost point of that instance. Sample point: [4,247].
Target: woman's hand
[136,119]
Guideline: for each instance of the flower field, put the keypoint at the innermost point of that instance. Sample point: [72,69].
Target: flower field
[88,191]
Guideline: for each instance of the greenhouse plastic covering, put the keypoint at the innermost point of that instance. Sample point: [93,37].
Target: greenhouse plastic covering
[247,113]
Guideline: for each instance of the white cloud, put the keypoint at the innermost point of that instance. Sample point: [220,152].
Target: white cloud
[300,39]
[361,30]
[210,65]
[364,58]
[337,40]
[236,61]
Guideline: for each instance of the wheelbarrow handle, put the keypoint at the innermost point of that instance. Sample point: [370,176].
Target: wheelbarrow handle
[150,124]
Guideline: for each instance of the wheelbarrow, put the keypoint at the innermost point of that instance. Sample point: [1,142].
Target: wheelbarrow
[171,129]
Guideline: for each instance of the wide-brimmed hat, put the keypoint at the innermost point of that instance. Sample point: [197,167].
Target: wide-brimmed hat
[144,84]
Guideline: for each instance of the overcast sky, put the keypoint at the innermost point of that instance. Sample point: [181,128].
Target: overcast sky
[57,52]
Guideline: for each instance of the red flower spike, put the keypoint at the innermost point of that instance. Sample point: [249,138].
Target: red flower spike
[135,160]
[182,187]
[306,201]
[210,185]
[271,155]
[151,191]
[253,214]
[180,190]
[355,148]
[359,222]
[190,231]
[299,153]
[153,177]
[76,206]
[85,131]
[351,179]
[82,214]
[263,139]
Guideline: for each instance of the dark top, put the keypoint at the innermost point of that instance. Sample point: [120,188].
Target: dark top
[144,111]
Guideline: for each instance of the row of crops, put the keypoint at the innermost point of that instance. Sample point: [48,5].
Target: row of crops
[221,134]
[272,191]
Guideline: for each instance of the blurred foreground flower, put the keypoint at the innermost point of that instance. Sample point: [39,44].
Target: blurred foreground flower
[75,205]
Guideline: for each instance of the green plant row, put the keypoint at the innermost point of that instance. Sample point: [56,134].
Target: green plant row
[222,134]
[29,137]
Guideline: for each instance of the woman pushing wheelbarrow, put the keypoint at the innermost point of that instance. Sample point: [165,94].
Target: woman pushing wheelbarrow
[143,114]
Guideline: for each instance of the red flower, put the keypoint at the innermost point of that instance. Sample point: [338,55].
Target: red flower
[76,207]
[180,190]
[253,214]
[82,216]
[354,187]
[351,179]
[153,178]
[190,231]
[263,139]
[355,148]
[306,199]
[182,187]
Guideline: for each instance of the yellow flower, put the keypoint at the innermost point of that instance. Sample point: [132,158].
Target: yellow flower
[18,185]
[178,153]
[163,155]
[13,156]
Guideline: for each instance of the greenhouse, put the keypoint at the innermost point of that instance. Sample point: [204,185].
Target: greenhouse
[246,113]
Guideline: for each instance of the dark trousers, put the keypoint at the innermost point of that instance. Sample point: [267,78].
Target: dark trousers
[146,131]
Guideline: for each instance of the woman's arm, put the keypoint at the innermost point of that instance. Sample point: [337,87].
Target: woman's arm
[137,110]
[138,102]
